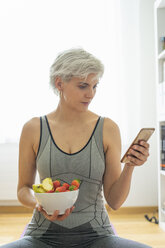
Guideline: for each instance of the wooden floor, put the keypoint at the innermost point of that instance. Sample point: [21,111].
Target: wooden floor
[128,225]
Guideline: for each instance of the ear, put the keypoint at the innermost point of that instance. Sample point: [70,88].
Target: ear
[59,83]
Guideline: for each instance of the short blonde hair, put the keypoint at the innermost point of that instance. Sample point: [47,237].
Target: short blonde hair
[74,62]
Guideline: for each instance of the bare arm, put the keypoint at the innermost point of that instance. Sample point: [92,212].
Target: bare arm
[116,182]
[27,163]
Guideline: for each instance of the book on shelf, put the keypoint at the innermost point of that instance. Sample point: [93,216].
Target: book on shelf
[162,146]
[164,70]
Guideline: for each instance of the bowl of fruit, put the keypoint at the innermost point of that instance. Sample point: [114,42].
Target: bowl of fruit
[52,195]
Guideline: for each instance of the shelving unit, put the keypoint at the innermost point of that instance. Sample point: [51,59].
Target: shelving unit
[160,86]
[161,55]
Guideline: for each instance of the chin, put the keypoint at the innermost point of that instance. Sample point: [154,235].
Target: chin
[82,110]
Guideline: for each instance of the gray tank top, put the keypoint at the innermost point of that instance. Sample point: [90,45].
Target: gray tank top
[89,217]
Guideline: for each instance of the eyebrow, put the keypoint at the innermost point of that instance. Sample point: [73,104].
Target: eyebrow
[86,83]
[83,83]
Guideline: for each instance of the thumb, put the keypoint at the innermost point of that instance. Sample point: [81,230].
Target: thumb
[38,207]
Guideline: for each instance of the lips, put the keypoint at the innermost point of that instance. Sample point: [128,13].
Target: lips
[86,103]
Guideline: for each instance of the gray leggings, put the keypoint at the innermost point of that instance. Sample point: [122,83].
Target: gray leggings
[108,242]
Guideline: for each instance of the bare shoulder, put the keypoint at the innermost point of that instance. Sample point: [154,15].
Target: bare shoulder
[110,125]
[31,129]
[31,125]
[111,133]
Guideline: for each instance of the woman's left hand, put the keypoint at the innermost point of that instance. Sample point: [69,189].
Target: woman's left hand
[138,154]
[55,215]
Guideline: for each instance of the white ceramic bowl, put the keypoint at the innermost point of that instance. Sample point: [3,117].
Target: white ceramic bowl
[57,201]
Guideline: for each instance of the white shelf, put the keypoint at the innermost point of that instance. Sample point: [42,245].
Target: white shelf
[160,4]
[162,172]
[162,225]
[162,82]
[161,117]
[162,55]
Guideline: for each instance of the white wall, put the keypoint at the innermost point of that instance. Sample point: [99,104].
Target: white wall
[9,153]
[147,99]
[9,172]
[138,78]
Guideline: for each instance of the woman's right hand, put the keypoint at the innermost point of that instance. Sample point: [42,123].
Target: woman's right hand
[55,215]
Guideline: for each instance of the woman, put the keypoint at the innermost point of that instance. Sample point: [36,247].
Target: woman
[73,142]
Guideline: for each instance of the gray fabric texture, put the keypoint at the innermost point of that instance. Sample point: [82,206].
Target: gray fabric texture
[109,242]
[89,218]
[89,224]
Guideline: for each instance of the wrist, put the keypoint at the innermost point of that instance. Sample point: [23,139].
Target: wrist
[129,166]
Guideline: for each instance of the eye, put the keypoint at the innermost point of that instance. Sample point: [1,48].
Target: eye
[82,86]
[85,86]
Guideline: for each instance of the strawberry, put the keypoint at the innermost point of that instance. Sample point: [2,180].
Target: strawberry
[76,182]
[56,183]
[73,187]
[50,191]
[66,185]
[60,189]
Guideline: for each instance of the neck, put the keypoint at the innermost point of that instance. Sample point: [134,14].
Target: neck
[65,114]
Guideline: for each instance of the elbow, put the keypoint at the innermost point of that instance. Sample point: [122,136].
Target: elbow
[114,206]
[113,202]
[19,196]
[21,191]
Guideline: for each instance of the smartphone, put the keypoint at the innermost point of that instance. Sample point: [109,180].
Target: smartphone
[144,134]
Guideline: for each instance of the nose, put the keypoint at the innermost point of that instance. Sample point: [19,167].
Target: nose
[90,93]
